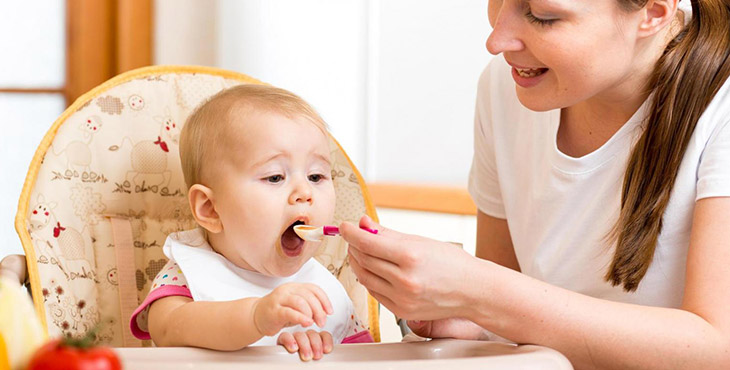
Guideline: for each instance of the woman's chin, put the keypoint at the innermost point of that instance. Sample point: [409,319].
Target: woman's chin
[535,102]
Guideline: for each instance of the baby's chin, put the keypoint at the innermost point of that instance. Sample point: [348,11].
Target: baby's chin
[286,266]
[279,268]
[285,271]
[281,263]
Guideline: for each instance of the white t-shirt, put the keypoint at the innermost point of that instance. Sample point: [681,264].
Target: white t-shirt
[211,277]
[560,209]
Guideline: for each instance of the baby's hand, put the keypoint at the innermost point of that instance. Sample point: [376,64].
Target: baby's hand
[291,304]
[310,344]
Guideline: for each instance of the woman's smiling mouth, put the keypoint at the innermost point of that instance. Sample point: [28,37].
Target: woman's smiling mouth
[530,72]
[528,77]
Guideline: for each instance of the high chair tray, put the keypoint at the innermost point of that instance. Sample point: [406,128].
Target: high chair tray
[436,354]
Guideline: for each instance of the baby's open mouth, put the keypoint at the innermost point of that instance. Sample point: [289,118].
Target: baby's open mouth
[291,243]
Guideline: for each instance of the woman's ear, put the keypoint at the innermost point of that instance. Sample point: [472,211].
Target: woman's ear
[203,207]
[657,15]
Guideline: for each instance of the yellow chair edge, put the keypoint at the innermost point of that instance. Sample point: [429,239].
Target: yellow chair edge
[373,311]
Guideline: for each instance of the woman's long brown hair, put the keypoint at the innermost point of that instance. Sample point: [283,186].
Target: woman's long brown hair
[693,67]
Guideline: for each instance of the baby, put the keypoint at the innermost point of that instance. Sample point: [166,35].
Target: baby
[256,161]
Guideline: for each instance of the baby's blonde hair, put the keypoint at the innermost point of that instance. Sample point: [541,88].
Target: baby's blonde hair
[207,126]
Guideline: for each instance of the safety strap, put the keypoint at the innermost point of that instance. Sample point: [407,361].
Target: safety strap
[124,251]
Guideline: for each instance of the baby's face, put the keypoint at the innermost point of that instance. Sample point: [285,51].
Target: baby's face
[277,175]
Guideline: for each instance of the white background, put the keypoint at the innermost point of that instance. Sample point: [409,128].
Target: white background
[395,79]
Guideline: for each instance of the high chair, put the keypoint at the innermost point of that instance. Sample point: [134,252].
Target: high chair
[105,188]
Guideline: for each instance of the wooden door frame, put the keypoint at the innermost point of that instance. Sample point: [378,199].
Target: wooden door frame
[105,38]
[422,197]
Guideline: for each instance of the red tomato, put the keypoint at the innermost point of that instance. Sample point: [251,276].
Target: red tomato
[55,355]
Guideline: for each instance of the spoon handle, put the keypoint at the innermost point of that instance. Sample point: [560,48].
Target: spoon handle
[334,230]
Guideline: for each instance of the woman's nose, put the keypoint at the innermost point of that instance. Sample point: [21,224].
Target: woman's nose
[301,193]
[504,36]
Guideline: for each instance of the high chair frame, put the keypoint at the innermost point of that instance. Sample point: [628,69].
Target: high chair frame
[23,222]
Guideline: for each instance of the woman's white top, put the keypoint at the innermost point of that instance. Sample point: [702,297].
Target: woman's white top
[560,209]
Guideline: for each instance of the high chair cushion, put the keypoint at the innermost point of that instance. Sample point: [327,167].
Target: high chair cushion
[105,188]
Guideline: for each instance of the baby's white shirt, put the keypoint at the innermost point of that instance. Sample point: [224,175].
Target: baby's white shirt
[211,277]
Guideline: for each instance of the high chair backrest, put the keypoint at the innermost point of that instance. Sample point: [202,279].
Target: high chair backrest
[105,188]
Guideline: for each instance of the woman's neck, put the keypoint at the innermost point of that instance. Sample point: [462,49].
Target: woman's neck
[586,126]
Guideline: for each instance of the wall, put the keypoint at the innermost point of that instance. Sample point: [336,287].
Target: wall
[184,32]
[383,74]
[426,58]
[316,49]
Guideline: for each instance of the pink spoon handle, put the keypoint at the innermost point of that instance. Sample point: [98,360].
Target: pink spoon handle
[334,230]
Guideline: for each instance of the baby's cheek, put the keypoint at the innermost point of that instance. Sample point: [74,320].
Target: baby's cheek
[331,208]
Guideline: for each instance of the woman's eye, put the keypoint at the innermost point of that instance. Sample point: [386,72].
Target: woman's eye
[540,21]
[316,177]
[275,179]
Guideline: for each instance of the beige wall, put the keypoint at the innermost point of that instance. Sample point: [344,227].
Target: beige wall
[185,32]
[395,79]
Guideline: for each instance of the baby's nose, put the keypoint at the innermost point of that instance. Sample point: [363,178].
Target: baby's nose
[302,193]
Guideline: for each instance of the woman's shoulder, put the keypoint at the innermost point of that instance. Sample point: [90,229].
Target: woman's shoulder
[717,113]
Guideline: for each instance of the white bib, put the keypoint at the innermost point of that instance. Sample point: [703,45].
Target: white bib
[211,277]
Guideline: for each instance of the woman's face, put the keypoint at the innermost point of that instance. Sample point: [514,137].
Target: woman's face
[564,52]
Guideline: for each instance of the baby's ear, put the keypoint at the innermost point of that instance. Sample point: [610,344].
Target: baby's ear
[203,209]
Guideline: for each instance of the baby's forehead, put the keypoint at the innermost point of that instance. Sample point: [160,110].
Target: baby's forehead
[237,152]
[270,131]
[269,123]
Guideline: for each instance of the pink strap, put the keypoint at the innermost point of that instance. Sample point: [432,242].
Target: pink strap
[155,294]
[361,337]
[124,251]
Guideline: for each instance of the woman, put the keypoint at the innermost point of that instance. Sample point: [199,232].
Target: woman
[602,178]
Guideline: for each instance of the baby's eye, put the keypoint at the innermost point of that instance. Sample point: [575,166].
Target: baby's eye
[316,177]
[275,179]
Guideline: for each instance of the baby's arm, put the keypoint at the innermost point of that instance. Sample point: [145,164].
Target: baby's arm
[180,321]
[231,325]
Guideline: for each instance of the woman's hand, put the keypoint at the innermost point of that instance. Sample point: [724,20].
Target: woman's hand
[291,304]
[416,278]
[457,328]
[310,344]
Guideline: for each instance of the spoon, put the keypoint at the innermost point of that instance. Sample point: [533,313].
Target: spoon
[316,233]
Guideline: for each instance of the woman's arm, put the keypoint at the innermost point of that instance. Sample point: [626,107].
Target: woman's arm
[424,280]
[494,242]
[605,334]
